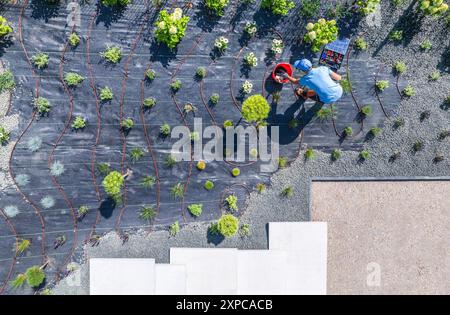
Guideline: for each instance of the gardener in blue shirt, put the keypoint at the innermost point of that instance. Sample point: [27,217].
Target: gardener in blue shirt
[320,82]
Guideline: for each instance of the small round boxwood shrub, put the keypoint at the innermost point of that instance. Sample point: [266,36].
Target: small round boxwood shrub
[381,85]
[208,185]
[255,109]
[400,67]
[228,225]
[195,209]
[164,130]
[200,72]
[278,7]
[175,85]
[235,172]
[74,40]
[231,202]
[112,184]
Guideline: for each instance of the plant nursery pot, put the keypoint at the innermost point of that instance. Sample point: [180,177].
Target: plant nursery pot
[282,66]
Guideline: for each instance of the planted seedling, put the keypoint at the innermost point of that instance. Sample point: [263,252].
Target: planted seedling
[366,110]
[136,154]
[434,76]
[375,131]
[164,130]
[148,181]
[201,165]
[177,190]
[396,35]
[103,168]
[287,192]
[4,135]
[228,124]
[127,124]
[73,79]
[360,44]
[74,39]
[418,146]
[394,157]
[106,94]
[364,155]
[112,54]
[214,99]
[278,7]
[260,187]
[409,91]
[348,131]
[82,211]
[381,85]
[149,102]
[112,184]
[79,123]
[7,82]
[244,230]
[400,122]
[40,60]
[22,245]
[235,172]
[438,158]
[42,105]
[209,185]
[424,115]
[174,229]
[426,45]
[195,209]
[293,123]
[309,154]
[336,154]
[175,86]
[57,169]
[147,213]
[400,67]
[326,113]
[200,73]
[231,202]
[150,74]
[170,161]
[282,162]
[195,136]
[346,85]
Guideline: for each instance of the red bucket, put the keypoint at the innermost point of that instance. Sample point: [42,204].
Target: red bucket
[286,67]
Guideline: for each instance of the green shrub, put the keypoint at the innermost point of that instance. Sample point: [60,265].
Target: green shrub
[7,82]
[364,155]
[19,281]
[366,110]
[170,161]
[310,8]
[309,154]
[400,67]
[282,162]
[175,85]
[149,102]
[127,123]
[147,213]
[409,91]
[106,94]
[112,54]
[200,72]
[5,27]
[195,209]
[367,6]
[396,35]
[194,135]
[4,135]
[336,154]
[79,123]
[174,229]
[216,6]
[381,85]
[360,44]
[35,276]
[260,187]
[228,225]
[74,39]
[148,181]
[321,33]
[255,109]
[103,168]
[433,7]
[418,146]
[426,45]
[42,105]
[231,201]
[228,124]
[150,74]
[73,79]
[278,7]
[177,190]
[214,99]
[348,131]
[170,28]
[434,76]
[164,130]
[82,211]
[209,185]
[375,131]
[40,60]
[115,3]
[235,172]
[112,184]
[136,154]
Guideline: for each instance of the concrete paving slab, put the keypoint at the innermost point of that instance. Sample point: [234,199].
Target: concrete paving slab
[170,279]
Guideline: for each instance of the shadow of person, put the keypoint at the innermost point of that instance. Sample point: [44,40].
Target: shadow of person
[107,207]
[42,10]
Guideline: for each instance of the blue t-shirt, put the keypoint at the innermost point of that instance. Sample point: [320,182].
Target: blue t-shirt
[319,80]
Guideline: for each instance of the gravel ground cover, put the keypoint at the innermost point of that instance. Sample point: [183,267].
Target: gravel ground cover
[269,205]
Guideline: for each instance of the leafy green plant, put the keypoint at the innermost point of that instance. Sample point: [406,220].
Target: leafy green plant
[164,130]
[200,72]
[42,105]
[82,211]
[106,94]
[112,184]
[33,144]
[35,276]
[336,154]
[148,181]
[434,76]
[381,85]
[195,209]
[310,8]
[40,60]
[255,109]
[396,35]
[409,91]
[7,82]
[112,54]
[375,131]
[433,7]
[250,29]
[194,135]
[19,281]
[250,60]
[136,154]
[366,110]
[400,67]
[360,43]
[221,44]
[426,45]
[418,146]
[170,28]
[170,161]
[260,187]
[5,27]
[214,99]
[79,123]
[150,74]
[235,172]
[367,6]
[177,190]
[216,6]
[400,122]
[278,7]
[293,123]
[74,40]
[309,154]
[115,3]
[209,185]
[282,162]
[104,168]
[228,225]
[22,245]
[348,131]
[231,202]
[364,155]
[57,169]
[228,124]
[47,202]
[175,86]
[147,213]
[73,79]
[321,33]
[149,102]
[346,85]
[201,165]
[287,192]
[174,229]
[4,135]
[127,123]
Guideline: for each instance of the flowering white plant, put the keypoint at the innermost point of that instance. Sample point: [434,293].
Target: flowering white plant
[247,87]
[250,28]
[251,60]
[277,46]
[170,28]
[221,43]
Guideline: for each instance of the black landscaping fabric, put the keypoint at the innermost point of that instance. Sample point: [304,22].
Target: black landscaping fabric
[44,29]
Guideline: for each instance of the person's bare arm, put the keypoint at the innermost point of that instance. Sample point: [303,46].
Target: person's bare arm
[293,80]
[335,76]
